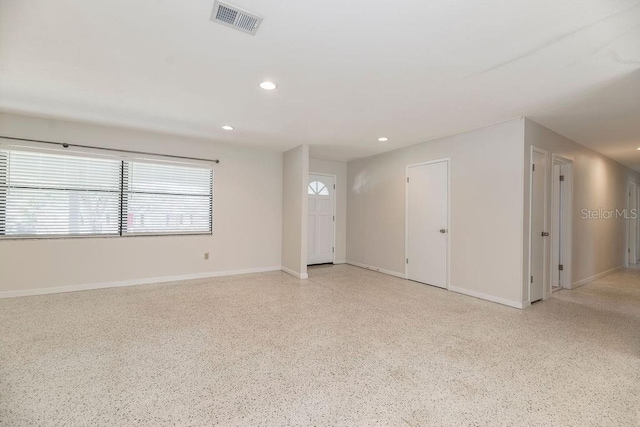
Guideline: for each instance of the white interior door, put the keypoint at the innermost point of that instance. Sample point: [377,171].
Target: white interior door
[561,222]
[538,226]
[321,192]
[428,223]
[556,226]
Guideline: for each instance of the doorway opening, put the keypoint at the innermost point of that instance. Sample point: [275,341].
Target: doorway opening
[321,191]
[561,223]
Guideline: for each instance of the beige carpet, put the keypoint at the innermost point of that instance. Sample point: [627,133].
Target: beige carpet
[346,347]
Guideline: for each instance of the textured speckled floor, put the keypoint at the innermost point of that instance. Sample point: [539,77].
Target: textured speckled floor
[346,347]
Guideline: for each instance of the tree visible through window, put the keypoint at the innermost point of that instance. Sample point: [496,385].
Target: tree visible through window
[49,194]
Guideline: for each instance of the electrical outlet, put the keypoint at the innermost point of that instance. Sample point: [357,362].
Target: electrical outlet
[206,255]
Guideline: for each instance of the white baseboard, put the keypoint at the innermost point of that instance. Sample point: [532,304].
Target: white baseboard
[294,273]
[474,294]
[340,261]
[135,282]
[379,270]
[514,304]
[595,277]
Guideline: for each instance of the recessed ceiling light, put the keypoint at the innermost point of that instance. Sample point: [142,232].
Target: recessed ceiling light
[268,85]
[383,139]
[227,127]
[638,148]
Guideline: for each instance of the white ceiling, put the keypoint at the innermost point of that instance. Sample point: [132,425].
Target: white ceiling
[349,71]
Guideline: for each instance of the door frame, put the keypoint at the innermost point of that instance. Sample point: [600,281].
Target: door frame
[334,214]
[567,221]
[545,275]
[632,224]
[638,225]
[447,160]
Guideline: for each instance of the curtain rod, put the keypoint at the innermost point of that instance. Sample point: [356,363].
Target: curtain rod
[67,145]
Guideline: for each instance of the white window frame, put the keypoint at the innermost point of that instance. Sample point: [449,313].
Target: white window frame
[113,155]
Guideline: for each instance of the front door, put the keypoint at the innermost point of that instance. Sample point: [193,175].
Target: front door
[321,192]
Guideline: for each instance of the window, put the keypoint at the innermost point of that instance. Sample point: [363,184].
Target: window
[316,187]
[58,195]
[55,195]
[160,198]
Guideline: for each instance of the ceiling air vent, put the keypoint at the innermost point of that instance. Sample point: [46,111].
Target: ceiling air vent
[235,17]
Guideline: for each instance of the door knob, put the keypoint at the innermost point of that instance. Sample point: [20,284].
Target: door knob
[545,234]
[443,230]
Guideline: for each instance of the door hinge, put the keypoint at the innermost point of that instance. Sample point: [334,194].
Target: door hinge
[333,250]
[334,217]
[334,186]
[407,180]
[561,177]
[407,260]
[629,250]
[534,167]
[561,267]
[531,279]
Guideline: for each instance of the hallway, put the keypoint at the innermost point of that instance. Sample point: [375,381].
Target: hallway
[617,293]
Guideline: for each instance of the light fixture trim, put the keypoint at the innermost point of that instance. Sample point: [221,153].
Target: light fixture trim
[227,127]
[268,85]
[383,139]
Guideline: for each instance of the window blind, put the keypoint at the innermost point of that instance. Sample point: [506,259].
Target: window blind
[49,194]
[161,198]
[45,194]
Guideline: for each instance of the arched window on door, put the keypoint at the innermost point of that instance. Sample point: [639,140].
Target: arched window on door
[316,187]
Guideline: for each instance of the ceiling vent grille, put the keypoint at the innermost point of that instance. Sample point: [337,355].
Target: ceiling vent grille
[235,17]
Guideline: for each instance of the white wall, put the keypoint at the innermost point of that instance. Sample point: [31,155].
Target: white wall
[247,217]
[295,211]
[486,209]
[338,169]
[598,182]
